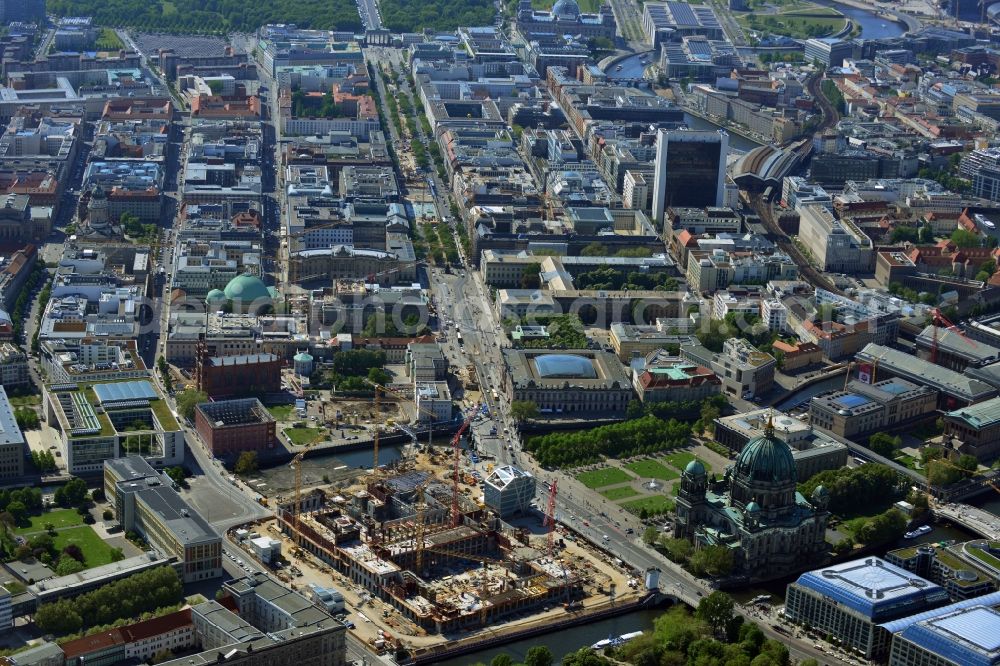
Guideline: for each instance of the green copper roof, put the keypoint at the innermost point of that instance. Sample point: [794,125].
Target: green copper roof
[766,458]
[247,288]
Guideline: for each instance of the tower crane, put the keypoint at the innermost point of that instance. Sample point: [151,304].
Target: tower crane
[296,464]
[937,317]
[402,396]
[456,450]
[550,517]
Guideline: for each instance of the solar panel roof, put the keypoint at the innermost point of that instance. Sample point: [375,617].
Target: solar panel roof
[682,14]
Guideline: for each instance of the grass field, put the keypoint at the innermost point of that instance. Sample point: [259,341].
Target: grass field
[654,504]
[24,400]
[108,40]
[606,476]
[95,551]
[615,494]
[796,23]
[586,6]
[58,518]
[304,435]
[281,412]
[681,459]
[650,469]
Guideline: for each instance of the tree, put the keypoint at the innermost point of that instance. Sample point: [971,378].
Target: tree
[586,657]
[188,400]
[67,565]
[595,249]
[117,555]
[58,618]
[74,493]
[74,551]
[715,561]
[177,475]
[379,376]
[650,535]
[246,464]
[501,660]
[530,276]
[18,511]
[884,444]
[964,238]
[678,550]
[538,655]
[717,609]
[523,410]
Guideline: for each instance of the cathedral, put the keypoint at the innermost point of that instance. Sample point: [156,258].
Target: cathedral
[755,511]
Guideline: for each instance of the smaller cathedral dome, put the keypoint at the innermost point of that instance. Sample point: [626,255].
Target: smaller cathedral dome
[695,468]
[820,491]
[753,507]
[566,10]
[215,296]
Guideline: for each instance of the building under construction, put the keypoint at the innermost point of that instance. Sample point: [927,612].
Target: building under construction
[443,561]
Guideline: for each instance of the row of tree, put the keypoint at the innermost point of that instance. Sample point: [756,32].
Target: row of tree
[417,15]
[648,434]
[611,278]
[129,597]
[212,16]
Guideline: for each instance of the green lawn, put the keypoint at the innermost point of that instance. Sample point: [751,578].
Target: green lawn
[986,557]
[650,469]
[302,436]
[108,40]
[586,6]
[654,504]
[797,24]
[681,459]
[58,518]
[95,551]
[29,400]
[281,412]
[606,476]
[615,494]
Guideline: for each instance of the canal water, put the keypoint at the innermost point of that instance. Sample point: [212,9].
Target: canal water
[565,641]
[872,25]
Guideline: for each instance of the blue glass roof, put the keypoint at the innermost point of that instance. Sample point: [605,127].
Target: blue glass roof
[569,366]
[879,590]
[970,637]
[851,400]
[120,391]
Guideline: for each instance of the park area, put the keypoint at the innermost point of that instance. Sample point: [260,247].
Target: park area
[797,23]
[57,530]
[645,486]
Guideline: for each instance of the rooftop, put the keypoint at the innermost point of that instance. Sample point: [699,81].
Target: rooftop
[874,588]
[9,432]
[968,636]
[927,373]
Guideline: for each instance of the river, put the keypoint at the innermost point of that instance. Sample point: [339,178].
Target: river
[565,641]
[872,25]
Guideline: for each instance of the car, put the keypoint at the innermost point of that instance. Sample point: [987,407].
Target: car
[630,531]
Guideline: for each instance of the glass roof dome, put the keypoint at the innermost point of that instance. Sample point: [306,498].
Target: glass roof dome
[565,366]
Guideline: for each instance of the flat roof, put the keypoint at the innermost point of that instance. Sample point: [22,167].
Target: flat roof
[924,372]
[874,588]
[968,636]
[9,432]
[125,391]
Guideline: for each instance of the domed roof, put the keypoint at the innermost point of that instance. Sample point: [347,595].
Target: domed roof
[215,295]
[564,366]
[566,10]
[820,491]
[695,468]
[753,507]
[303,357]
[246,288]
[766,458]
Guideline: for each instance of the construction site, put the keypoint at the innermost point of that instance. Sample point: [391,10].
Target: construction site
[438,558]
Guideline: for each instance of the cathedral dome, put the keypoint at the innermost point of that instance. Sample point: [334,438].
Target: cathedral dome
[566,10]
[766,458]
[753,507]
[246,288]
[695,468]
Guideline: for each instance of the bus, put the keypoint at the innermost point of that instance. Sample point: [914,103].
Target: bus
[496,396]
[458,336]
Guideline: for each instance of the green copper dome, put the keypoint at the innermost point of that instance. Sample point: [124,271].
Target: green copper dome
[247,288]
[753,507]
[695,468]
[215,296]
[766,458]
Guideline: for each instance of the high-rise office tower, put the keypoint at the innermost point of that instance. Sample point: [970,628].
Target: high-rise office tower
[690,170]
